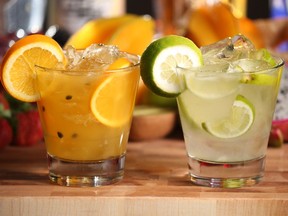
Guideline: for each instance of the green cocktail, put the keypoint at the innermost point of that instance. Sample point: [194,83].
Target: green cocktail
[226,105]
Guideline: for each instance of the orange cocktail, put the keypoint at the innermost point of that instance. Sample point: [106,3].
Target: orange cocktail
[85,99]
[86,115]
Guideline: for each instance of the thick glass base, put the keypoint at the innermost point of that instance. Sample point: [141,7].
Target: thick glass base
[86,173]
[226,175]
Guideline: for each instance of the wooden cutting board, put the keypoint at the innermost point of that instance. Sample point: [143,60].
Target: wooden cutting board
[155,183]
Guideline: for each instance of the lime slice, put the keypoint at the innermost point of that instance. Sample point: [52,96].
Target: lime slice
[160,60]
[263,54]
[259,79]
[238,123]
[211,86]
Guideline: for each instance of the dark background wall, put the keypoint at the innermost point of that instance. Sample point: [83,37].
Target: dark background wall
[255,8]
[140,7]
[258,9]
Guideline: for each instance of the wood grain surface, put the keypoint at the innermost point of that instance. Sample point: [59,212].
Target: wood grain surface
[155,183]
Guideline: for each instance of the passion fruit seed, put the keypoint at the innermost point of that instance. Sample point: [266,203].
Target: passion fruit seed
[60,135]
[74,135]
[68,97]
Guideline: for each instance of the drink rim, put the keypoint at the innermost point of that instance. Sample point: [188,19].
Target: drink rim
[212,72]
[133,57]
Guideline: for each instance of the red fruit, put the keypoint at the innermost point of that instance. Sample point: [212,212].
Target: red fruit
[276,138]
[4,105]
[283,126]
[28,130]
[6,133]
[1,86]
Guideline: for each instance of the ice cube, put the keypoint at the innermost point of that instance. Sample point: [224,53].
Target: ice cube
[73,56]
[95,57]
[105,54]
[216,47]
[227,50]
[240,42]
[263,54]
[248,65]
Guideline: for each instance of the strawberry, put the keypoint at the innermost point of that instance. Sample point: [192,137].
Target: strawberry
[276,138]
[283,126]
[4,106]
[25,121]
[1,86]
[6,133]
[28,130]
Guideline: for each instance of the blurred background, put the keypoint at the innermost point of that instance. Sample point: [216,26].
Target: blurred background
[255,8]
[65,17]
[33,16]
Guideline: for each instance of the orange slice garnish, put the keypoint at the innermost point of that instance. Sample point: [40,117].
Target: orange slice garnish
[120,63]
[17,69]
[113,100]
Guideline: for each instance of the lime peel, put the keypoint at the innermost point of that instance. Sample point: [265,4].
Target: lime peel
[160,60]
[259,79]
[239,122]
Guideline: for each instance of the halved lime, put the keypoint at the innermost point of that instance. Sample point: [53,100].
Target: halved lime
[160,60]
[239,122]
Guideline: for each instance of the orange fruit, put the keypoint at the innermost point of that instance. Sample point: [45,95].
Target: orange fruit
[223,21]
[131,33]
[200,28]
[248,28]
[97,31]
[120,63]
[113,100]
[141,92]
[17,69]
[134,36]
[210,23]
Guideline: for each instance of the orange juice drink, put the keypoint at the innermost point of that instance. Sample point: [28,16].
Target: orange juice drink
[85,99]
[86,116]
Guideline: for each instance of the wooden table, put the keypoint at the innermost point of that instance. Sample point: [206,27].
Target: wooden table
[155,184]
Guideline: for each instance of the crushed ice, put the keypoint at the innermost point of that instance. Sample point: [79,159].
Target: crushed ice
[95,57]
[238,53]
